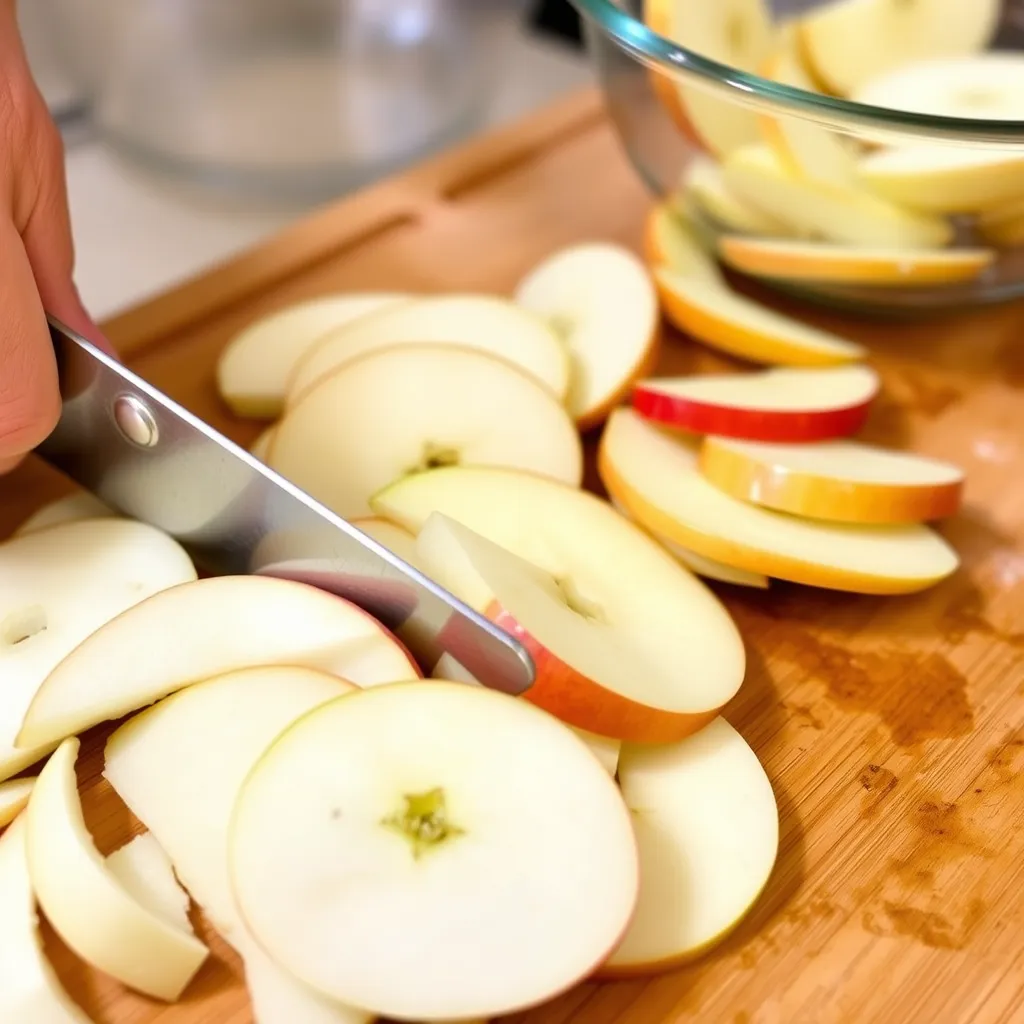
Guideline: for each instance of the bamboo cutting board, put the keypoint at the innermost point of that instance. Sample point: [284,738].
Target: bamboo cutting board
[892,728]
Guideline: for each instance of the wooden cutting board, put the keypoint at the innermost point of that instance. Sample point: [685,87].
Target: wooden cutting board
[892,728]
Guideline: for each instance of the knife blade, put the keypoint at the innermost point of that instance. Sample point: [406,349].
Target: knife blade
[148,458]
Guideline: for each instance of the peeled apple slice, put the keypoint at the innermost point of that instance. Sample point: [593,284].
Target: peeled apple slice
[488,323]
[704,184]
[231,622]
[850,42]
[70,508]
[495,830]
[600,299]
[255,365]
[145,872]
[407,408]
[842,481]
[14,796]
[649,655]
[657,479]
[57,587]
[707,827]
[92,912]
[179,765]
[29,988]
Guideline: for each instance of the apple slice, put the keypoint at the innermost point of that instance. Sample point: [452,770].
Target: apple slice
[849,42]
[703,183]
[262,445]
[672,240]
[179,765]
[733,32]
[943,179]
[701,565]
[657,479]
[396,539]
[71,508]
[14,796]
[786,260]
[707,828]
[29,988]
[94,915]
[144,871]
[495,830]
[850,216]
[648,660]
[407,408]
[842,481]
[228,622]
[491,324]
[769,405]
[57,586]
[255,365]
[600,299]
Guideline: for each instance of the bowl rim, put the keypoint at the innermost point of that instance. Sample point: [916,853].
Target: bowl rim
[661,54]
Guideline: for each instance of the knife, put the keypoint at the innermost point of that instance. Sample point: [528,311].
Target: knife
[150,459]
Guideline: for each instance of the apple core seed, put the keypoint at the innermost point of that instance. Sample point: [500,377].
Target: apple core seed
[424,821]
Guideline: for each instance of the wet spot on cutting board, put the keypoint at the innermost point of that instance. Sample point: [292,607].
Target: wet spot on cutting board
[878,784]
[917,697]
[968,614]
[929,927]
[1005,760]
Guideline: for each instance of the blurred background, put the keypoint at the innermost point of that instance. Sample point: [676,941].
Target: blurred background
[195,128]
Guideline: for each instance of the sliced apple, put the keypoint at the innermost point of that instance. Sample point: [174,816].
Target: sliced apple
[849,42]
[396,539]
[59,585]
[600,299]
[491,324]
[434,825]
[261,446]
[769,405]
[671,240]
[702,566]
[179,766]
[703,183]
[14,796]
[71,508]
[407,408]
[707,826]
[255,365]
[850,264]
[841,481]
[648,661]
[29,989]
[657,479]
[733,32]
[90,910]
[944,179]
[145,872]
[850,216]
[230,622]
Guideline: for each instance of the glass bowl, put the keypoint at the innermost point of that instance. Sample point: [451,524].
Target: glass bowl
[864,154]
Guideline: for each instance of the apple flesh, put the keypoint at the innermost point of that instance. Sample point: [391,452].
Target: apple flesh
[254,367]
[707,828]
[71,508]
[261,446]
[704,185]
[657,479]
[407,408]
[786,260]
[494,829]
[29,988]
[144,871]
[95,916]
[671,240]
[14,796]
[231,622]
[396,539]
[57,587]
[179,766]
[487,323]
[841,481]
[798,405]
[600,300]
[649,655]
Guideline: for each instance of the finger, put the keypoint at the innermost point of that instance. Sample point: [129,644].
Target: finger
[29,395]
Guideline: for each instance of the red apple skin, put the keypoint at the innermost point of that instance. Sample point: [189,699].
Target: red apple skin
[577,700]
[780,425]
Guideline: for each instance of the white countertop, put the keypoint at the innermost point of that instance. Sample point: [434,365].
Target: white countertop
[136,236]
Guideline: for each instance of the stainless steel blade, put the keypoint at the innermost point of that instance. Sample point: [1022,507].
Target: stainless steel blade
[151,459]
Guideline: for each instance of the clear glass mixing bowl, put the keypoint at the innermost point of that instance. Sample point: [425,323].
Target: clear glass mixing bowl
[911,142]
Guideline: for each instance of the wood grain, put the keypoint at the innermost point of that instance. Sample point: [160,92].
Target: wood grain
[892,728]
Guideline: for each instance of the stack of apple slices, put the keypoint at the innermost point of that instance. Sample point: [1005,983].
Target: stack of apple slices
[757,472]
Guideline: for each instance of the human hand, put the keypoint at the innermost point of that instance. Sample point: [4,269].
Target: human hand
[36,254]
